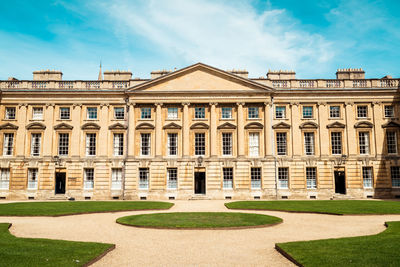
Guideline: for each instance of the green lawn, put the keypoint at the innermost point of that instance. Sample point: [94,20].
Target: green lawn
[199,220]
[322,206]
[16,251]
[76,207]
[376,250]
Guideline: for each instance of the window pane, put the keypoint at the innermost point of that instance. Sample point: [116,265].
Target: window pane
[228,178]
[253,112]
[362,111]
[336,143]
[90,144]
[389,111]
[283,178]
[92,113]
[280,112]
[116,179]
[172,176]
[226,144]
[37,113]
[88,179]
[311,176]
[281,143]
[172,143]
[119,113]
[5,178]
[395,174]
[309,143]
[63,144]
[35,144]
[255,178]
[254,144]
[32,178]
[118,144]
[172,113]
[145,144]
[307,112]
[391,142]
[8,144]
[199,144]
[199,112]
[367,177]
[10,113]
[226,113]
[145,113]
[64,113]
[363,140]
[334,111]
[143,178]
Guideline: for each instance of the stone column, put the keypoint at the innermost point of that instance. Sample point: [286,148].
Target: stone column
[267,129]
[213,131]
[240,129]
[159,144]
[130,139]
[185,130]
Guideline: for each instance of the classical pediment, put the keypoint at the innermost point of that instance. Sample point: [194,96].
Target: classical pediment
[117,126]
[199,125]
[63,126]
[8,126]
[90,126]
[227,125]
[172,125]
[308,125]
[200,78]
[363,124]
[35,126]
[336,124]
[281,125]
[145,126]
[391,124]
[254,125]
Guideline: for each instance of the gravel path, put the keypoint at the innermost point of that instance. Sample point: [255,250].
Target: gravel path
[151,247]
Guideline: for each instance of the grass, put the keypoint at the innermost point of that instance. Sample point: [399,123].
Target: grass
[187,220]
[76,207]
[376,250]
[16,251]
[322,206]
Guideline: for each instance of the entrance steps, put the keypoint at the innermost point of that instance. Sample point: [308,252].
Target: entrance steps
[60,197]
[341,196]
[199,197]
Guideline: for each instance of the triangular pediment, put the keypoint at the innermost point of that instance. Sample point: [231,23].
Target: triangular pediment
[35,126]
[117,126]
[254,125]
[63,126]
[281,125]
[227,125]
[391,124]
[363,124]
[90,126]
[200,78]
[172,125]
[308,125]
[336,124]
[8,126]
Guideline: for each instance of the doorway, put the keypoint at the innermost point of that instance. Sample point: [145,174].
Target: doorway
[60,182]
[199,182]
[340,182]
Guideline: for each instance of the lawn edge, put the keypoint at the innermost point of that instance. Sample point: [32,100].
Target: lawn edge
[292,259]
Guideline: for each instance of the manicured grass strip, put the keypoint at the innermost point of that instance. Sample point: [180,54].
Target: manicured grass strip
[376,250]
[76,207]
[338,207]
[16,251]
[197,220]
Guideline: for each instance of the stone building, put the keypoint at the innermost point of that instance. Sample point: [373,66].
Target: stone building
[199,132]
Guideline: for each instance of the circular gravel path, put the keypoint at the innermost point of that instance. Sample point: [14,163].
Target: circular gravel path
[159,247]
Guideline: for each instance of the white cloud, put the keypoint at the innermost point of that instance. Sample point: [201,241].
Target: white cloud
[226,34]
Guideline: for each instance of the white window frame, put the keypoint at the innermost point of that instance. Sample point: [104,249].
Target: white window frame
[37,113]
[363,142]
[172,178]
[88,183]
[311,177]
[144,174]
[172,144]
[119,113]
[368,177]
[391,142]
[227,144]
[118,144]
[116,178]
[10,113]
[308,112]
[309,143]
[172,113]
[63,144]
[254,144]
[334,112]
[199,144]
[36,139]
[199,112]
[283,177]
[227,177]
[145,144]
[65,113]
[395,176]
[33,177]
[5,179]
[336,143]
[91,143]
[281,143]
[362,111]
[255,177]
[253,113]
[280,112]
[389,111]
[91,113]
[226,113]
[145,113]
[8,144]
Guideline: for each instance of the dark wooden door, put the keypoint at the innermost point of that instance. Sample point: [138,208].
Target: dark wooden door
[60,182]
[199,182]
[340,182]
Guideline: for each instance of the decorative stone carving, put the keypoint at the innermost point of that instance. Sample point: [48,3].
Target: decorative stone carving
[363,124]
[145,126]
[335,124]
[199,125]
[117,126]
[254,125]
[281,125]
[8,126]
[35,126]
[63,126]
[227,125]
[172,125]
[391,124]
[308,125]
[90,126]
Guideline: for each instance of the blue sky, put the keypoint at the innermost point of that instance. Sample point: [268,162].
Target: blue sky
[314,38]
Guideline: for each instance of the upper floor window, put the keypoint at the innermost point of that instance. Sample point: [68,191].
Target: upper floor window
[172,113]
[145,113]
[253,113]
[363,140]
[307,112]
[226,113]
[334,111]
[199,113]
[280,112]
[91,144]
[8,144]
[281,143]
[172,144]
[92,113]
[362,111]
[336,143]
[145,144]
[119,113]
[35,144]
[389,111]
[63,144]
[283,177]
[64,113]
[391,142]
[368,180]
[309,144]
[118,144]
[254,144]
[199,144]
[227,144]
[10,113]
[37,113]
[395,175]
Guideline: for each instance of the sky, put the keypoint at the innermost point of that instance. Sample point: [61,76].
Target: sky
[314,38]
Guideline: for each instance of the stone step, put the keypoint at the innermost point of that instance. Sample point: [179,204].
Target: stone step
[62,197]
[199,197]
[341,196]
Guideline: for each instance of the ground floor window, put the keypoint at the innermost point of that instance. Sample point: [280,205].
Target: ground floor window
[143,178]
[116,179]
[311,176]
[172,176]
[32,178]
[283,178]
[395,174]
[228,178]
[5,178]
[368,180]
[255,174]
[88,179]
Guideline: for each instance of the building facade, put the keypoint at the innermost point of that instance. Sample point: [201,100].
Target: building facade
[200,132]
